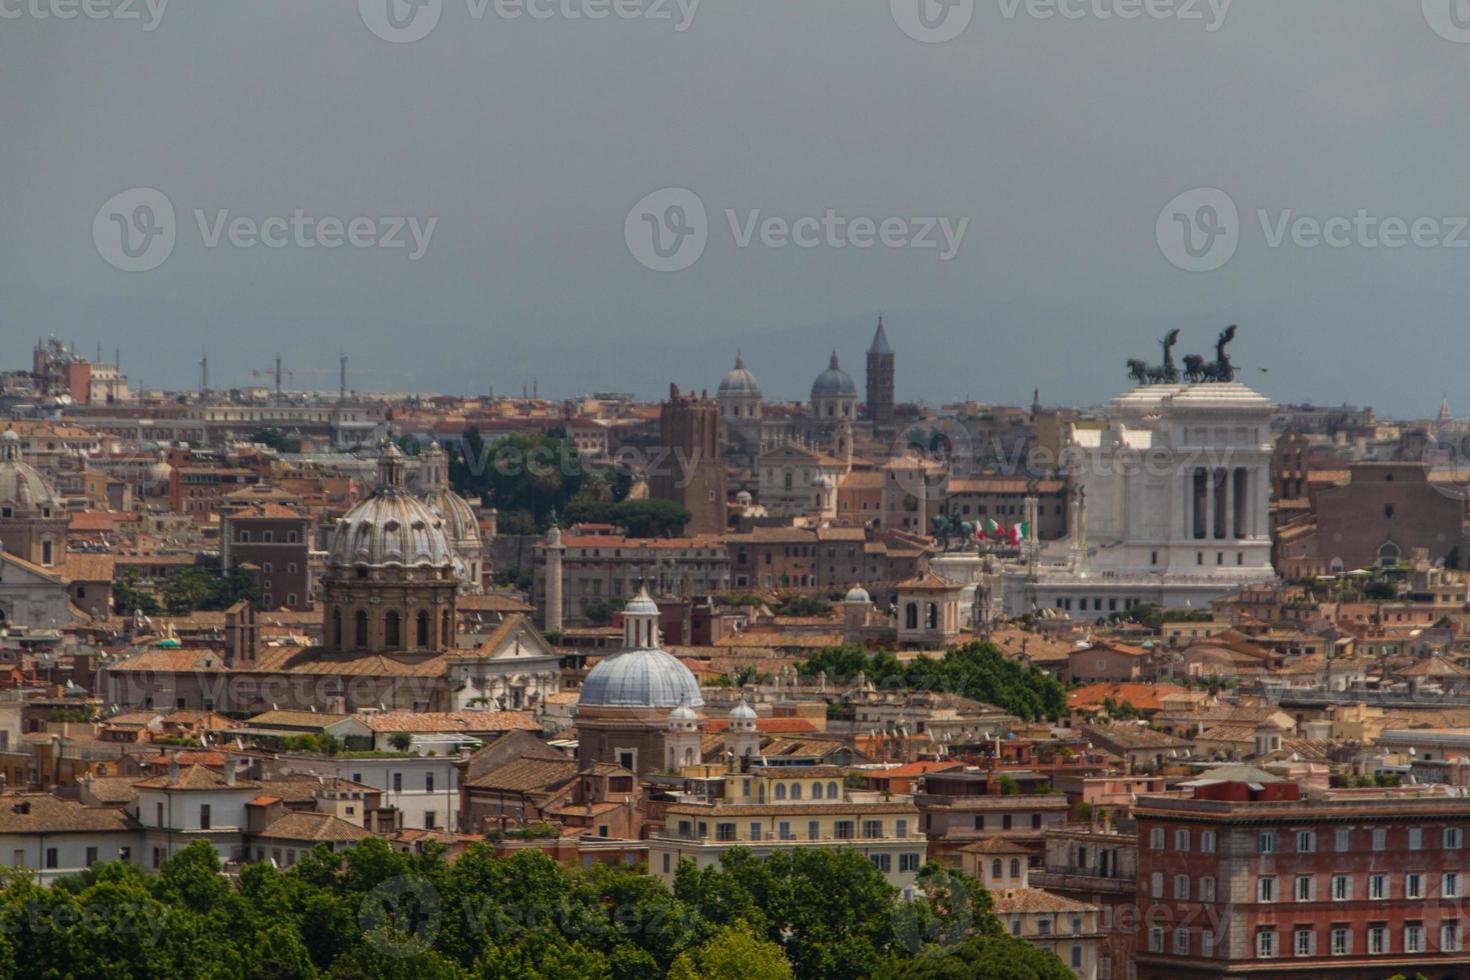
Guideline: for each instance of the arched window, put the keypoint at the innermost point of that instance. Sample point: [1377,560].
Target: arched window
[1388,554]
[831,791]
[337,628]
[1015,867]
[931,616]
[360,628]
[995,868]
[423,629]
[816,791]
[911,616]
[392,631]
[446,630]
[780,791]
[46,553]
[796,791]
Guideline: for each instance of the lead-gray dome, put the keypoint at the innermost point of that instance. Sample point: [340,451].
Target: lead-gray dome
[640,679]
[739,381]
[391,527]
[21,484]
[833,382]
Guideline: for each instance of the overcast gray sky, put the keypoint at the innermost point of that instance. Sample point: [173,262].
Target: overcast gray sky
[528,140]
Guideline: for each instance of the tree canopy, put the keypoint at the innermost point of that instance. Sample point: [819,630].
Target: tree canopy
[976,670]
[373,913]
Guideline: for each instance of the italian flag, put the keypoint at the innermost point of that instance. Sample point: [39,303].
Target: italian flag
[992,530]
[1020,533]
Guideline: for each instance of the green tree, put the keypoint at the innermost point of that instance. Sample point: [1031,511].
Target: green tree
[127,598]
[733,953]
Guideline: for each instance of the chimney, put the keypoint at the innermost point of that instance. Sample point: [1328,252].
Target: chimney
[173,769]
[230,763]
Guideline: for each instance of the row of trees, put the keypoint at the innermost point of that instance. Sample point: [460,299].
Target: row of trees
[373,913]
[183,591]
[976,670]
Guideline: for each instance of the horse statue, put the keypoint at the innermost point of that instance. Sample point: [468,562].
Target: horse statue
[1138,371]
[1224,370]
[1170,371]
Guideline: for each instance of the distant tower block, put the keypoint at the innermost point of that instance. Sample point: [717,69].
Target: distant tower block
[881,370]
[693,472]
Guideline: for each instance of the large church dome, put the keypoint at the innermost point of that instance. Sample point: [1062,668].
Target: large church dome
[391,527]
[21,484]
[642,675]
[640,679]
[739,381]
[834,382]
[460,523]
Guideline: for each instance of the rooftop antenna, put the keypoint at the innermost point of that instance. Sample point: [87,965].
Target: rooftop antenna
[342,381]
[204,371]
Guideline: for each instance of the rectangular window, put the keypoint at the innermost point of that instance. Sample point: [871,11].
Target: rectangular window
[900,828]
[755,831]
[1342,888]
[813,830]
[1342,941]
[1156,839]
[53,860]
[1156,880]
[1306,842]
[1377,939]
[428,782]
[1416,839]
[1449,886]
[1266,890]
[1377,886]
[1380,839]
[784,829]
[430,816]
[91,856]
[1306,888]
[1181,942]
[1156,940]
[398,782]
[666,863]
[1181,887]
[1266,842]
[1413,885]
[1306,942]
[1449,937]
[1207,888]
[1452,838]
[1207,841]
[1265,944]
[204,816]
[1207,942]
[725,831]
[908,862]
[1181,840]
[1414,938]
[1344,840]
[872,828]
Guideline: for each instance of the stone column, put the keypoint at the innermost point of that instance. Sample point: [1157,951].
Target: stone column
[552,614]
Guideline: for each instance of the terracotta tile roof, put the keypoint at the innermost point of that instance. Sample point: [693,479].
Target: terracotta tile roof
[771,726]
[1145,697]
[87,567]
[451,721]
[794,809]
[41,813]
[995,845]
[195,777]
[527,775]
[295,719]
[308,825]
[1019,901]
[493,602]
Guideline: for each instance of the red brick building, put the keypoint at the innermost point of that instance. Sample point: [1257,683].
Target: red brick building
[1249,877]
